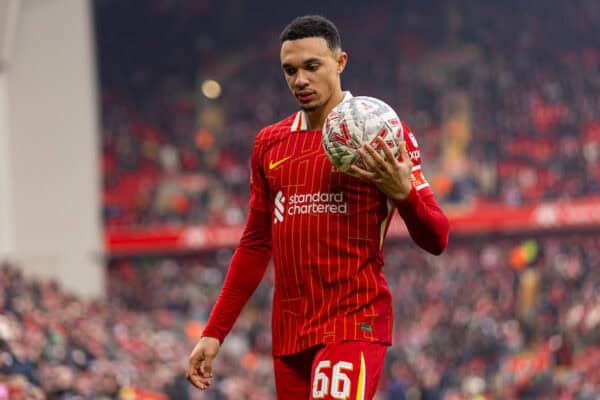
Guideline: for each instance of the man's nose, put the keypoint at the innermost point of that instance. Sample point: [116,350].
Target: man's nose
[301,79]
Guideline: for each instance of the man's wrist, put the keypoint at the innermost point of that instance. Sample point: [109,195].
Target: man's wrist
[209,336]
[407,200]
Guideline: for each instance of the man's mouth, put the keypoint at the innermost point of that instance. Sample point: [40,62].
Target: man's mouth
[305,96]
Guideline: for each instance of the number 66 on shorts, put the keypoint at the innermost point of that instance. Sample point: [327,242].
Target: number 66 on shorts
[348,370]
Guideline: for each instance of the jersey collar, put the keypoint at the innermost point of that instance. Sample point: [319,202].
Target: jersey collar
[300,120]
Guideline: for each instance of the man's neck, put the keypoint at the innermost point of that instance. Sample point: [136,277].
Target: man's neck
[316,118]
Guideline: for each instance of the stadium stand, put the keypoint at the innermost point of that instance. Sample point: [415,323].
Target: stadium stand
[509,319]
[506,116]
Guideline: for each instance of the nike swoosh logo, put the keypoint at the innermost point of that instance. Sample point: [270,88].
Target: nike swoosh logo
[273,165]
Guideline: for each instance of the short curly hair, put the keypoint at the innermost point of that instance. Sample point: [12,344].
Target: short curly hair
[312,26]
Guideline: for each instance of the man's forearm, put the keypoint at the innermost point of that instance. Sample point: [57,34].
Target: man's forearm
[426,222]
[246,270]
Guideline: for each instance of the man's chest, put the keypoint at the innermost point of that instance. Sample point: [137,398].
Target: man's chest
[298,162]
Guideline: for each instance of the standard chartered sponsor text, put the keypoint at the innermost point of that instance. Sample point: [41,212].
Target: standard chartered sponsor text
[317,203]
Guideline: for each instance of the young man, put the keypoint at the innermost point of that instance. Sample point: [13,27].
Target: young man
[332,313]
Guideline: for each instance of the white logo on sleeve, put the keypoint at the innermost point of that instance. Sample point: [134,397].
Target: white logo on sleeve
[279,207]
[413,140]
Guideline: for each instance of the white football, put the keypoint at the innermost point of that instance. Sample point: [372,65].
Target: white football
[356,121]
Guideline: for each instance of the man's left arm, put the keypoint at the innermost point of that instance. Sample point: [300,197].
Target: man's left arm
[404,184]
[427,224]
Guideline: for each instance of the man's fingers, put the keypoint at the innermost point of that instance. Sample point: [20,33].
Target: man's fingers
[206,367]
[367,157]
[196,360]
[195,373]
[373,153]
[199,381]
[386,149]
[404,153]
[199,371]
[376,165]
[361,173]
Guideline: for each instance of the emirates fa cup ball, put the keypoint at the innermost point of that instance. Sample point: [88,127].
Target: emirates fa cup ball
[356,121]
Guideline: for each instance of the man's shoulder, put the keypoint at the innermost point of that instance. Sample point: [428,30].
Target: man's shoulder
[277,129]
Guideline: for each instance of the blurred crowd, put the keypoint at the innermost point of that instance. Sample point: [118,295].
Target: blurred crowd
[56,346]
[508,319]
[504,97]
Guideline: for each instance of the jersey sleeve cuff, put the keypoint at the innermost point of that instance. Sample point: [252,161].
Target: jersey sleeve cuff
[410,202]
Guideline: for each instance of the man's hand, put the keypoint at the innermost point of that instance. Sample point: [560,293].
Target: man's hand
[199,371]
[391,176]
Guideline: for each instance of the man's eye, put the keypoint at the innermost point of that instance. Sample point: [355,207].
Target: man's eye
[290,71]
[312,67]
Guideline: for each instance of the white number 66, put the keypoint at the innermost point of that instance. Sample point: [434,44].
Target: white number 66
[340,382]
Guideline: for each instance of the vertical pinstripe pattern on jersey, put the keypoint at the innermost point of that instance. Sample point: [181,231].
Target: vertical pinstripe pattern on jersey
[373,220]
[374,271]
[287,152]
[309,136]
[382,222]
[307,246]
[359,201]
[290,145]
[264,162]
[367,269]
[303,248]
[358,234]
[328,230]
[370,279]
[282,287]
[329,216]
[338,264]
[348,258]
[285,261]
[305,238]
[299,274]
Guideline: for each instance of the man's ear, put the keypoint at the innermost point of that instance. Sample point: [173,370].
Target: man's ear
[342,59]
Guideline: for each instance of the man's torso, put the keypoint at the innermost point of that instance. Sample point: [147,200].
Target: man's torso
[327,232]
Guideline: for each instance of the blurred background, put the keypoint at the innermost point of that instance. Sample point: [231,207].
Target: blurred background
[125,136]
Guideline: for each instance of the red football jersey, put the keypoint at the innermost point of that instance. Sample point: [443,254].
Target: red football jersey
[327,233]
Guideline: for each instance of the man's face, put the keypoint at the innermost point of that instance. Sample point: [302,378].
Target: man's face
[312,70]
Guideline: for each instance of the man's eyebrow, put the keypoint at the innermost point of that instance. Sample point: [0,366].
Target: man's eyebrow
[308,61]
[312,60]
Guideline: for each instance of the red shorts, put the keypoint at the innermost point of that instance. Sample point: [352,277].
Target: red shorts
[347,370]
